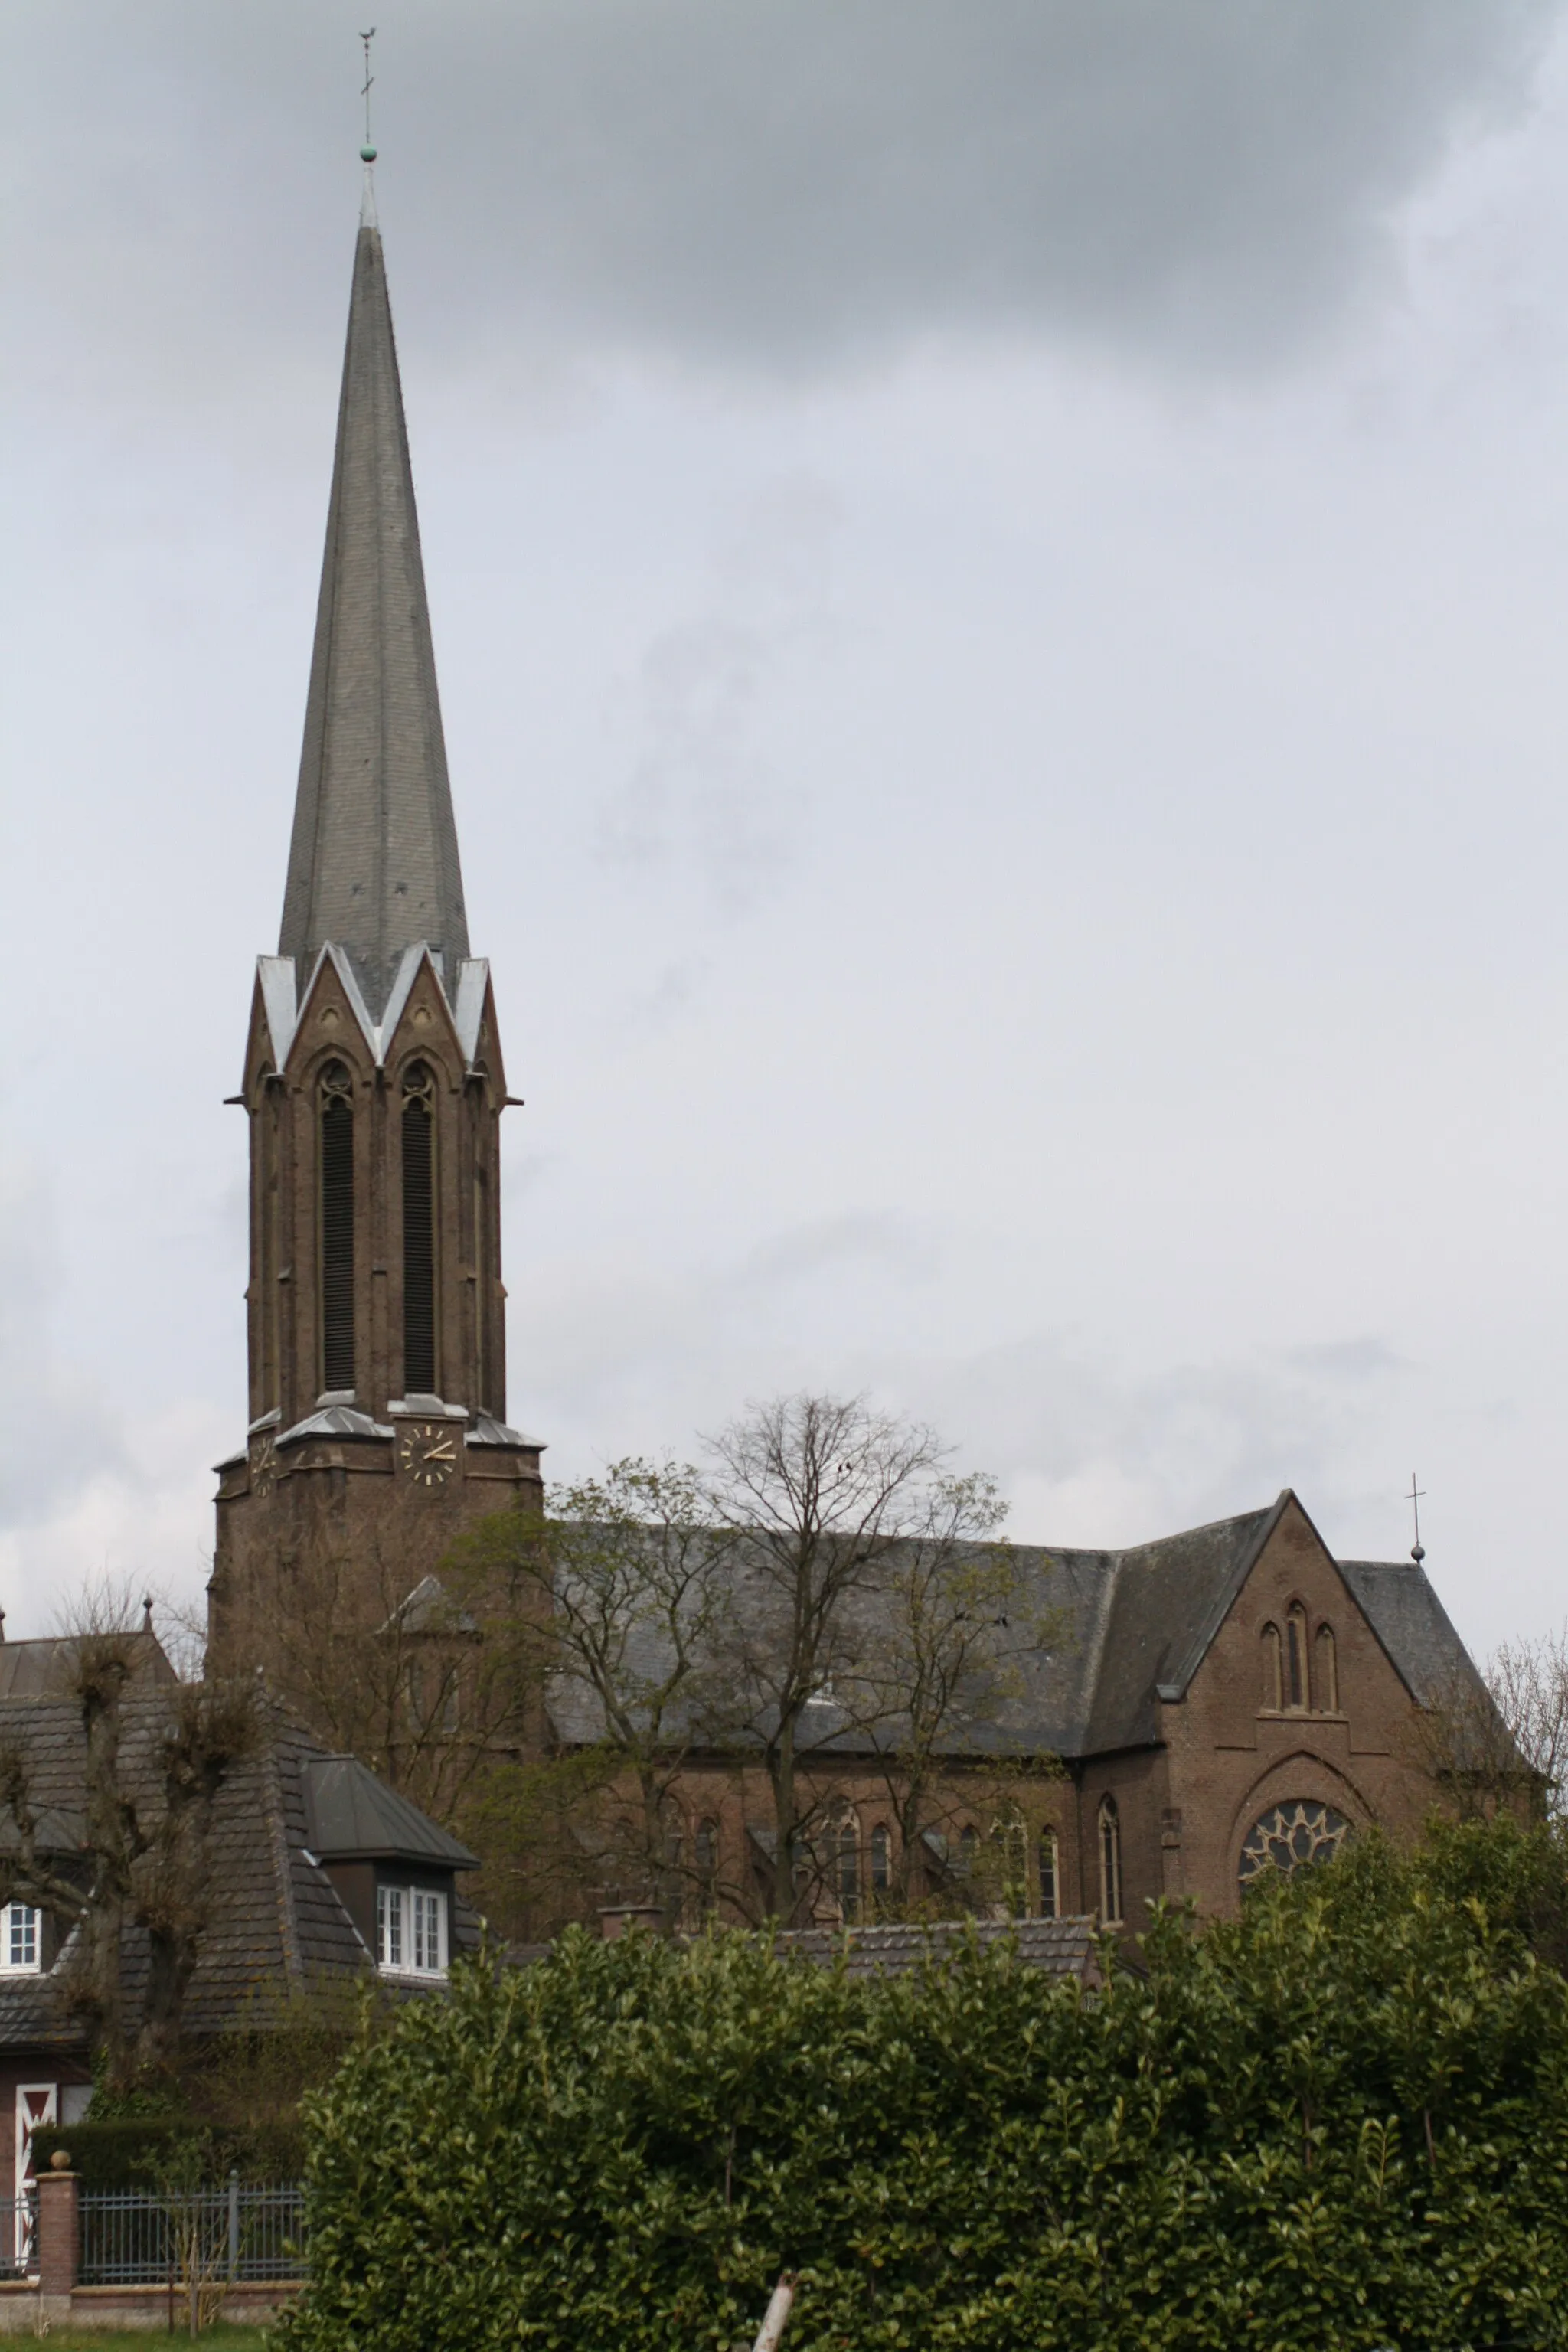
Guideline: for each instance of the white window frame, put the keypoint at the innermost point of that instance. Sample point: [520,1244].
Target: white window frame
[21,1923]
[412,1931]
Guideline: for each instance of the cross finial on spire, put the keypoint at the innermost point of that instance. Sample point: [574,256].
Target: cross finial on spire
[367,151]
[1417,1549]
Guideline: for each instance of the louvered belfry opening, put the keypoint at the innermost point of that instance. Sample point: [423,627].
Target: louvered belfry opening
[418,1232]
[337,1228]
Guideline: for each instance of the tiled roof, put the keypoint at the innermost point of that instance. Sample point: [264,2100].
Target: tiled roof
[1063,1947]
[276,1927]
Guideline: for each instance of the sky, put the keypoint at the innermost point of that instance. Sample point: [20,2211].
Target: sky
[999,571]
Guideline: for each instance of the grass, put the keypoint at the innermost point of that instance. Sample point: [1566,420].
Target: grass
[222,2338]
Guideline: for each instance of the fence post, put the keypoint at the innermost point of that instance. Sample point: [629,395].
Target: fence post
[233,2221]
[57,2237]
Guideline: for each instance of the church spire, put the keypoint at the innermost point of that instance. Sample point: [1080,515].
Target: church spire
[373,864]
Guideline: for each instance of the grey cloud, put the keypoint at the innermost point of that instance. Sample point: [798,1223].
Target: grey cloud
[769,183]
[701,783]
[878,1234]
[785,181]
[54,1430]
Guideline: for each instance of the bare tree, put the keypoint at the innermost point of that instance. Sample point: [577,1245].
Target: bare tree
[617,1598]
[818,1493]
[154,1760]
[1528,1681]
[942,1641]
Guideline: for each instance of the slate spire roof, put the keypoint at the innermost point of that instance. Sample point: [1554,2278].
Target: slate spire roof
[373,864]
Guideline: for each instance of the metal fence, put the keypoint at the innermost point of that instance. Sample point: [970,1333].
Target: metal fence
[136,2237]
[19,2234]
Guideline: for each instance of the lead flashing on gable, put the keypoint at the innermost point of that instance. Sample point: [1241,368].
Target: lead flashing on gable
[473,981]
[275,978]
[284,1018]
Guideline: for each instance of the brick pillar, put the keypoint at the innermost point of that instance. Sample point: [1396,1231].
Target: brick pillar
[57,2241]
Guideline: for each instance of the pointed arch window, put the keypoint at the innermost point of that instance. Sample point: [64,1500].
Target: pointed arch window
[881,1863]
[1326,1671]
[418,1138]
[1011,1837]
[1110,1863]
[1297,1691]
[848,1869]
[705,1855]
[968,1850]
[337,1130]
[1273,1669]
[1050,1881]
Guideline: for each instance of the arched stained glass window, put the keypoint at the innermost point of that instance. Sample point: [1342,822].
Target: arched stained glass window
[881,1861]
[848,1869]
[1050,1898]
[705,1853]
[1110,1863]
[1293,1836]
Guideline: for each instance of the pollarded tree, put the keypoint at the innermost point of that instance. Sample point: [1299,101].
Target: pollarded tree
[154,1760]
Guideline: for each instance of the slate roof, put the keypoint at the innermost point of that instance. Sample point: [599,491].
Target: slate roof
[350,1812]
[373,862]
[40,1669]
[277,1925]
[1126,1629]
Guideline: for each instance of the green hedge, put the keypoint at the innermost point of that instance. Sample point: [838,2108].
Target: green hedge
[144,2150]
[1339,2122]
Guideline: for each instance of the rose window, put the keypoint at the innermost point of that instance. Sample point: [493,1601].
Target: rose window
[1291,1837]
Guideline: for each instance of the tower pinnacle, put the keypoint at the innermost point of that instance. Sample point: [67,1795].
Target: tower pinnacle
[373,863]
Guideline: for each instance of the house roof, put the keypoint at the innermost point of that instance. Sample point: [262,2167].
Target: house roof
[351,1813]
[1061,1948]
[42,1669]
[277,1925]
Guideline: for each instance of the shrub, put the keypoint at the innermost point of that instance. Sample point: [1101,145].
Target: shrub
[1339,2121]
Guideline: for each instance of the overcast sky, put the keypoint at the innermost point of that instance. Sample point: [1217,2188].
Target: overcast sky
[999,573]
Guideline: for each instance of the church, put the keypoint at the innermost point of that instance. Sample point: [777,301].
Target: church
[1218,1704]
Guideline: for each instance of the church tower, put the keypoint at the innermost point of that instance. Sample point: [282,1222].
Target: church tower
[373,1086]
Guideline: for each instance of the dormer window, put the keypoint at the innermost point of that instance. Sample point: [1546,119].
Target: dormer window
[411,1931]
[21,1940]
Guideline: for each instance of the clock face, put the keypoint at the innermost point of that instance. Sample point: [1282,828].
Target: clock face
[429,1452]
[263,1465]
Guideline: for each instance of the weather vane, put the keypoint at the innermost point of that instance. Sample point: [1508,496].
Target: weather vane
[367,152]
[1417,1549]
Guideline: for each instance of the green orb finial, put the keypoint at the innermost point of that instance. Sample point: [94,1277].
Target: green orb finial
[367,154]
